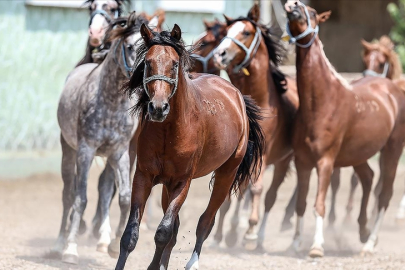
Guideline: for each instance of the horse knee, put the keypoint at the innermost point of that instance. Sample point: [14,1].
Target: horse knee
[80,205]
[124,200]
[163,235]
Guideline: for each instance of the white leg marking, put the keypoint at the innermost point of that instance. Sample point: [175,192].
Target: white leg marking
[71,249]
[372,240]
[401,210]
[193,262]
[318,238]
[262,229]
[105,232]
[298,234]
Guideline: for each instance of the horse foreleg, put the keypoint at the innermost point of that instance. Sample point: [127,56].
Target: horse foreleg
[365,173]
[324,168]
[354,181]
[335,182]
[222,185]
[289,211]
[85,155]
[141,188]
[68,177]
[280,170]
[166,233]
[400,216]
[101,221]
[120,163]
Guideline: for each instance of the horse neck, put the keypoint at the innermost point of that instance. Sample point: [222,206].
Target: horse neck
[317,94]
[259,84]
[111,75]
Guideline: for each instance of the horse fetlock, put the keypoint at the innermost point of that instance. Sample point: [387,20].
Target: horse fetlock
[193,263]
[70,255]
[163,236]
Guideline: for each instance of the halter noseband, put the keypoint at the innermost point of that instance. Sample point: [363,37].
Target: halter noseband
[307,32]
[128,69]
[103,13]
[251,51]
[372,73]
[160,77]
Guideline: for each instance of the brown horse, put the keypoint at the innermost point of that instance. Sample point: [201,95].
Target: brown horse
[333,124]
[249,47]
[194,124]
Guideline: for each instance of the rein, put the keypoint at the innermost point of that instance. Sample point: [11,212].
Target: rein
[160,77]
[250,52]
[127,68]
[372,73]
[308,31]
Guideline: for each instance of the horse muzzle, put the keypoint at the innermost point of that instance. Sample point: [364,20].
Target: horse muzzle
[158,112]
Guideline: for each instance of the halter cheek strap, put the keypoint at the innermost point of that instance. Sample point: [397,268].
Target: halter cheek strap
[308,31]
[156,77]
[372,73]
[127,68]
[251,51]
[204,60]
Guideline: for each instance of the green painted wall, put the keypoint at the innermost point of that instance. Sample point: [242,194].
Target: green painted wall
[39,46]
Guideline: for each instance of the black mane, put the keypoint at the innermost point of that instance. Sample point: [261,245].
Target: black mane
[135,83]
[275,50]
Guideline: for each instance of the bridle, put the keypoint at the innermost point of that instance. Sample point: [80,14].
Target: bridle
[103,13]
[308,31]
[160,77]
[250,52]
[127,68]
[372,73]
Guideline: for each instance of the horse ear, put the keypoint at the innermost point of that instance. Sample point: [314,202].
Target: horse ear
[176,32]
[131,19]
[206,24]
[254,13]
[146,33]
[367,45]
[323,17]
[228,19]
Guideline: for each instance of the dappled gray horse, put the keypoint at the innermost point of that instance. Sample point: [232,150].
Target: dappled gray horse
[94,120]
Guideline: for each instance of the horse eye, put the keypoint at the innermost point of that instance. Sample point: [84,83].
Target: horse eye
[246,33]
[113,10]
[130,47]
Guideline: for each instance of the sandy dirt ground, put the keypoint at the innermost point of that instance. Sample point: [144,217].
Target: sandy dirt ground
[31,211]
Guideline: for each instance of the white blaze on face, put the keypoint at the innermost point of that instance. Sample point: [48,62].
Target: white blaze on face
[99,22]
[235,29]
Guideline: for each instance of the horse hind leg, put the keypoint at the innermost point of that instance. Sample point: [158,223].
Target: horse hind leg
[231,237]
[400,216]
[68,177]
[222,212]
[101,221]
[120,164]
[354,181]
[389,158]
[289,212]
[365,173]
[335,183]
[280,171]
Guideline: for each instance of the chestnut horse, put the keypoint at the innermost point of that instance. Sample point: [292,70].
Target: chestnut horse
[93,118]
[248,46]
[194,124]
[333,124]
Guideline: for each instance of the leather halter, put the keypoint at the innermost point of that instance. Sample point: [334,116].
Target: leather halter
[127,68]
[250,52]
[307,32]
[160,77]
[103,13]
[372,73]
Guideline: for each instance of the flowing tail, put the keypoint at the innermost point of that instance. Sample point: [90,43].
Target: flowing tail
[249,169]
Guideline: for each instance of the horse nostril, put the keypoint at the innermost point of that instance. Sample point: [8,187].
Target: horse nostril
[165,106]
[151,107]
[223,53]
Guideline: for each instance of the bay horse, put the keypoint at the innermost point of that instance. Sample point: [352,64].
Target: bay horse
[249,46]
[192,124]
[332,126]
[94,120]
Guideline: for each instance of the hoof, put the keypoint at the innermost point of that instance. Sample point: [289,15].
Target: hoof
[250,242]
[285,226]
[114,248]
[102,247]
[364,236]
[70,258]
[316,252]
[82,227]
[231,239]
[367,251]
